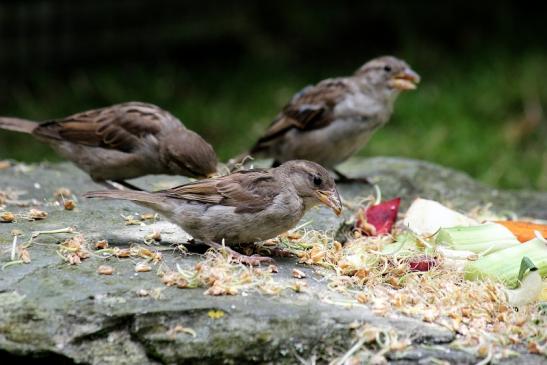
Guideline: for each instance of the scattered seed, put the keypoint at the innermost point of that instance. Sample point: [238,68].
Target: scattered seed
[101,245]
[142,267]
[155,236]
[62,193]
[7,217]
[24,255]
[362,298]
[299,286]
[105,270]
[147,216]
[298,274]
[35,214]
[69,204]
[122,252]
[181,283]
[170,278]
[294,236]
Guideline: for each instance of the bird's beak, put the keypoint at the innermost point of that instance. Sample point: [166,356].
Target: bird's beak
[405,80]
[212,175]
[331,199]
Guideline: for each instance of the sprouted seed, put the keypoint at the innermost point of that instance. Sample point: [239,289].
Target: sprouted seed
[221,276]
[74,250]
[152,238]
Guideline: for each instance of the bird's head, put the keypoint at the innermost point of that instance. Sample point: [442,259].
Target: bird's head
[388,74]
[313,184]
[188,154]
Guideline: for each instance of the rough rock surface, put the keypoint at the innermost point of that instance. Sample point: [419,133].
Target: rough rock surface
[70,314]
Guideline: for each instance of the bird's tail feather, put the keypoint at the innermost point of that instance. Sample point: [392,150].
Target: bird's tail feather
[17,124]
[136,196]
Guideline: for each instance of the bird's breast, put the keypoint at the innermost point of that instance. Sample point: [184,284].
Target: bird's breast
[359,104]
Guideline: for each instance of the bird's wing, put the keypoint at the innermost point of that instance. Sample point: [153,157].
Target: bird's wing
[248,191]
[311,108]
[119,127]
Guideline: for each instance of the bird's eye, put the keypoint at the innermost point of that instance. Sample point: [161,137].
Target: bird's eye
[317,181]
[387,68]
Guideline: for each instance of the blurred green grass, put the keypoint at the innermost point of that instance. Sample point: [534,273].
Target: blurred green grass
[483,116]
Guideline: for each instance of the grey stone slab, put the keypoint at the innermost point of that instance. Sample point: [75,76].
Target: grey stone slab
[54,311]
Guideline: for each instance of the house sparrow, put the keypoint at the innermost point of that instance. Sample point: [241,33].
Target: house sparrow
[244,207]
[329,122]
[124,141]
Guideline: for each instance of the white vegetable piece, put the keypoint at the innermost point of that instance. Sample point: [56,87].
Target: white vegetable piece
[528,292]
[425,217]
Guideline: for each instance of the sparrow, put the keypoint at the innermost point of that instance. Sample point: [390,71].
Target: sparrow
[332,120]
[244,207]
[124,141]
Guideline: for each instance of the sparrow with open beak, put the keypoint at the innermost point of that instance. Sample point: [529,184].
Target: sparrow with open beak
[244,207]
[124,141]
[329,122]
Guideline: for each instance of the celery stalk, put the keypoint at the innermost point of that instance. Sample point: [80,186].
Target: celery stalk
[504,265]
[484,238]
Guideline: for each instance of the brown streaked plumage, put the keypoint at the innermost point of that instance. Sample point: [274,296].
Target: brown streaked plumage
[124,141]
[243,207]
[329,122]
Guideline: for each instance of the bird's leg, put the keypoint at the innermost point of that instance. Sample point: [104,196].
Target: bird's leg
[108,184]
[344,179]
[117,185]
[127,185]
[244,259]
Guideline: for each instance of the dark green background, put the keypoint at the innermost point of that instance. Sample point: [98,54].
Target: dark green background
[225,68]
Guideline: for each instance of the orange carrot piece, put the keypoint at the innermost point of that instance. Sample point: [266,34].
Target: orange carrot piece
[524,231]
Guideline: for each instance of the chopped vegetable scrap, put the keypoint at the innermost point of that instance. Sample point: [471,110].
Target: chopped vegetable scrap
[504,265]
[426,217]
[525,231]
[530,285]
[442,267]
[378,219]
[481,239]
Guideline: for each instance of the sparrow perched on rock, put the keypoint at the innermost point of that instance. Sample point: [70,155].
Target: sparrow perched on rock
[124,141]
[330,121]
[243,207]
